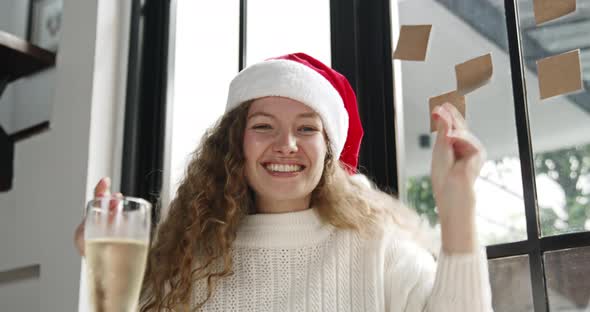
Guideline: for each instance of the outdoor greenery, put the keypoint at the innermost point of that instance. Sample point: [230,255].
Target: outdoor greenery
[570,168]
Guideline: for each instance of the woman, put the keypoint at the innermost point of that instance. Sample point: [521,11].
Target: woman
[272,216]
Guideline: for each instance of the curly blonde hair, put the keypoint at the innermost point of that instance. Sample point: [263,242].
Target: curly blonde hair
[214,197]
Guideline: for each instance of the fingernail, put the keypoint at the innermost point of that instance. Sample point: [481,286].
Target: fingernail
[107,181]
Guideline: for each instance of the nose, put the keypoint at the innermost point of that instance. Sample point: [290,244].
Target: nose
[285,143]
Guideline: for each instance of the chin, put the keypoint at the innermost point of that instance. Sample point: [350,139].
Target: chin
[282,189]
[279,193]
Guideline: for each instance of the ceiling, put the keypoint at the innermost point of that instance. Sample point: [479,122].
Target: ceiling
[469,28]
[555,37]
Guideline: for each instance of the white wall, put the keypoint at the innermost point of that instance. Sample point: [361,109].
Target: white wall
[56,171]
[20,295]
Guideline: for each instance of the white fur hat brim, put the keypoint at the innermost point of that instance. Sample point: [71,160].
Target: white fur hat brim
[298,82]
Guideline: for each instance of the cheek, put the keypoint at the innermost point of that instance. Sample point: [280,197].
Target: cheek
[318,158]
[251,146]
[317,153]
[247,146]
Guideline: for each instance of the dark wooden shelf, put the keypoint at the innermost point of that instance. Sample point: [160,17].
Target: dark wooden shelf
[19,58]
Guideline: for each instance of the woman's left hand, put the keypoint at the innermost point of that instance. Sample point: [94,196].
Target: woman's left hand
[457,159]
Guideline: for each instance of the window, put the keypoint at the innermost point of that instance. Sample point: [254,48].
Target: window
[205,60]
[565,271]
[533,199]
[559,126]
[278,27]
[489,114]
[206,57]
[511,284]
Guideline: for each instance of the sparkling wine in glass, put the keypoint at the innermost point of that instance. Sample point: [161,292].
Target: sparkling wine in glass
[116,238]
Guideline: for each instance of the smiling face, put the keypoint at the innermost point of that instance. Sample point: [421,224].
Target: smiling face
[284,149]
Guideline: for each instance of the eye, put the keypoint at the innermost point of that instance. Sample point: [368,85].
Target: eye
[261,127]
[308,129]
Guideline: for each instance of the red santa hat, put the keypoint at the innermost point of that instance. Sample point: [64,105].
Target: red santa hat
[302,78]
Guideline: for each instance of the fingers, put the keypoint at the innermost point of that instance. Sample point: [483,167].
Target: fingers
[465,144]
[79,238]
[458,120]
[113,206]
[103,188]
[443,120]
[115,201]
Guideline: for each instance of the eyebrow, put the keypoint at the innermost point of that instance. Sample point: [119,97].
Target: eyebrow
[308,115]
[303,115]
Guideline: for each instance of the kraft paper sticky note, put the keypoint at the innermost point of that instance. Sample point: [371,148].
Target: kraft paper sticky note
[547,10]
[453,98]
[412,43]
[559,74]
[474,73]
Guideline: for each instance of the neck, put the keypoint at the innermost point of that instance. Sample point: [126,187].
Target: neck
[272,205]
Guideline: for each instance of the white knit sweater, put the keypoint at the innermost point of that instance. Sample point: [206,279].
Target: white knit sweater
[294,262]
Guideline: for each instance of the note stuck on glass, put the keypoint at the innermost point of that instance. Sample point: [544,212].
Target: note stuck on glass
[559,74]
[547,10]
[453,98]
[474,73]
[412,44]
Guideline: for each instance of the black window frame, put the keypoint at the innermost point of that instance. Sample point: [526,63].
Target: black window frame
[361,50]
[145,104]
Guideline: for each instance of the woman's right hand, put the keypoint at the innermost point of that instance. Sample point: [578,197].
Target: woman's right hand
[103,188]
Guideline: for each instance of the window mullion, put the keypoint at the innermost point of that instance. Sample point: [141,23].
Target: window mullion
[526,157]
[243,34]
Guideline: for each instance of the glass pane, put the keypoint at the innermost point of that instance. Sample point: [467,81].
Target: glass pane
[462,30]
[277,27]
[511,284]
[560,126]
[567,273]
[204,62]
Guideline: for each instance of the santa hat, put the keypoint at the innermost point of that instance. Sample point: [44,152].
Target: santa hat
[302,78]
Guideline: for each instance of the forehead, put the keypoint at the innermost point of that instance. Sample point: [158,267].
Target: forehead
[276,105]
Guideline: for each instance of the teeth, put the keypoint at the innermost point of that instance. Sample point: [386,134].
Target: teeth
[283,168]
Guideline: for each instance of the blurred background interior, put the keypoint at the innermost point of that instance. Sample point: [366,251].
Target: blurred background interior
[127,88]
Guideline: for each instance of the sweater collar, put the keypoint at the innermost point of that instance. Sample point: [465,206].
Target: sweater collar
[283,230]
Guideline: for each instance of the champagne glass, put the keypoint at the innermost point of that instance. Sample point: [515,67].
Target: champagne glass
[116,240]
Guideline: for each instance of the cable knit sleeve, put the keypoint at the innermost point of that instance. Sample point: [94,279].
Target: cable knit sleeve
[414,282]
